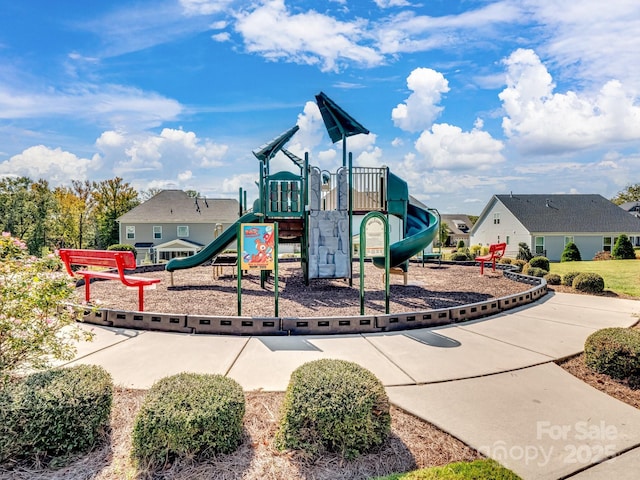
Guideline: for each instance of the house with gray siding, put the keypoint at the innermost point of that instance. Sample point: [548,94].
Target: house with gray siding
[546,223]
[172,224]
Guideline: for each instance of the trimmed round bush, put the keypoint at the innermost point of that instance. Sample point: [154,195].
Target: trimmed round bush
[461,257]
[336,406]
[54,413]
[553,278]
[588,283]
[519,263]
[534,271]
[567,278]
[505,260]
[188,415]
[540,262]
[123,247]
[615,352]
[570,253]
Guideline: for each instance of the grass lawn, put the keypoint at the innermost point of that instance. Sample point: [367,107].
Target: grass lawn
[620,276]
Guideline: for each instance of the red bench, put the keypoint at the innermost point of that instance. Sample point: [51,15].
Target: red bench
[496,252]
[113,259]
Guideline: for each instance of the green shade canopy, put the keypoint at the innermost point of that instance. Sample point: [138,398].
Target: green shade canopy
[268,150]
[293,157]
[338,122]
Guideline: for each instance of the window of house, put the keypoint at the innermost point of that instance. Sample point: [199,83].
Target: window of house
[183,231]
[608,243]
[568,239]
[507,240]
[157,231]
[496,218]
[540,246]
[131,232]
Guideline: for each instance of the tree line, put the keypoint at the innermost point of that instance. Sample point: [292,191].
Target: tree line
[82,215]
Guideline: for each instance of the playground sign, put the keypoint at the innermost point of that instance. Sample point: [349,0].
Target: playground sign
[257,246]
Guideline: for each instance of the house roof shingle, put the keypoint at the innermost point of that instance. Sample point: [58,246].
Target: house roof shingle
[580,213]
[175,206]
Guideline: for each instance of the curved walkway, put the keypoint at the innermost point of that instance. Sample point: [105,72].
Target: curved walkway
[491,383]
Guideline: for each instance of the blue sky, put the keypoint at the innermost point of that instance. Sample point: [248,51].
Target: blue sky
[463,99]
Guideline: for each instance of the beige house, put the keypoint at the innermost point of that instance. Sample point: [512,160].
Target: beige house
[172,224]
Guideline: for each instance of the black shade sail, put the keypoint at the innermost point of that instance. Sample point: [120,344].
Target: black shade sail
[338,122]
[268,150]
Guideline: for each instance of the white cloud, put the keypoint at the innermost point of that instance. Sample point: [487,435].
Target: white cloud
[369,158]
[231,185]
[391,3]
[311,132]
[221,37]
[186,175]
[593,40]
[407,32]
[539,120]
[308,38]
[204,7]
[55,165]
[169,153]
[447,147]
[421,107]
[114,105]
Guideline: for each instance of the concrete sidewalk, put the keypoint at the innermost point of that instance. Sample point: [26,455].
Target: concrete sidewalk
[492,383]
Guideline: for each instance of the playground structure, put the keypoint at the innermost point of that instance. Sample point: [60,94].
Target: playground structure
[317,209]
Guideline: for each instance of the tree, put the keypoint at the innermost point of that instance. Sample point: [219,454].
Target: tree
[68,218]
[524,253]
[113,198]
[623,249]
[147,194]
[86,217]
[16,207]
[43,206]
[443,234]
[631,193]
[571,253]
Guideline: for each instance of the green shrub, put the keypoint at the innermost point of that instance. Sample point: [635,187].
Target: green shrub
[623,249]
[483,469]
[534,271]
[588,283]
[615,352]
[54,413]
[571,253]
[519,264]
[336,406]
[123,247]
[460,244]
[505,260]
[567,278]
[188,415]
[462,256]
[475,250]
[524,253]
[553,278]
[540,262]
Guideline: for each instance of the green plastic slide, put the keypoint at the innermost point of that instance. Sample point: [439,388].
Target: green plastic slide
[422,228]
[214,249]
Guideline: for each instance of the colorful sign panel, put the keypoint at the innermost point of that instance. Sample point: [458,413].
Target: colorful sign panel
[256,245]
